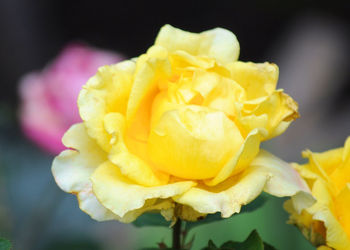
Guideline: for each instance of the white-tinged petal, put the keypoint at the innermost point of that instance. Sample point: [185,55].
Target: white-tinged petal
[73,168]
[218,43]
[266,173]
[128,196]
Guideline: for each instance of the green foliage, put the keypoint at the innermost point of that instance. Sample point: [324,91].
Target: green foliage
[5,244]
[151,219]
[253,242]
[257,203]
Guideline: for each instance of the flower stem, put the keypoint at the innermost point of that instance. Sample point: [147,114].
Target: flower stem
[177,235]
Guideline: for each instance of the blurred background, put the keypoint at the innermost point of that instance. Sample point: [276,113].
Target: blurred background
[308,40]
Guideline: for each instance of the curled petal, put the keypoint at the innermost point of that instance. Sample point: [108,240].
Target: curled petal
[128,196]
[107,91]
[273,113]
[328,210]
[220,44]
[73,168]
[258,79]
[248,150]
[268,174]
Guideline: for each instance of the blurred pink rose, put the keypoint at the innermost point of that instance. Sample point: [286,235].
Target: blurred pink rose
[49,97]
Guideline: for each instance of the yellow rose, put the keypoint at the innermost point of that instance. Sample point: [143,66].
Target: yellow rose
[178,130]
[327,222]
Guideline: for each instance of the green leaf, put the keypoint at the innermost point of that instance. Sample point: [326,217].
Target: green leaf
[208,219]
[151,219]
[257,203]
[5,244]
[189,244]
[157,248]
[268,247]
[211,245]
[253,242]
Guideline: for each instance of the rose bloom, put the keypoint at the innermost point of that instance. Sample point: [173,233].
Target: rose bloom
[48,98]
[327,222]
[177,130]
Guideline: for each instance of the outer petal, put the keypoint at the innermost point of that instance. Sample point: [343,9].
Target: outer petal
[324,210]
[107,91]
[346,155]
[273,113]
[220,44]
[341,175]
[324,248]
[328,160]
[128,196]
[342,210]
[268,174]
[165,207]
[73,168]
[314,231]
[258,79]
[129,164]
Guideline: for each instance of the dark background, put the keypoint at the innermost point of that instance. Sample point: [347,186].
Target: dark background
[309,40]
[32,32]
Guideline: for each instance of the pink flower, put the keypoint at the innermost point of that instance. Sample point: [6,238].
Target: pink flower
[49,97]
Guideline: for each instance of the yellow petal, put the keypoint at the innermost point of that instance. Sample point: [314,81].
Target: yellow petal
[128,196]
[341,175]
[73,168]
[314,231]
[343,208]
[266,172]
[90,205]
[130,164]
[324,210]
[188,213]
[274,112]
[328,160]
[346,156]
[246,153]
[193,142]
[322,165]
[258,79]
[107,91]
[220,44]
[220,93]
[324,248]
[182,59]
[284,180]
[152,68]
[165,207]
